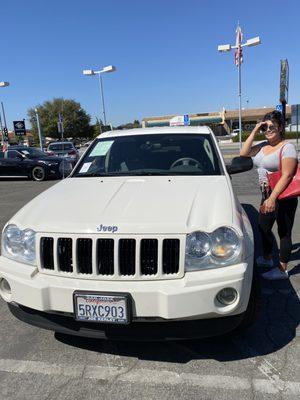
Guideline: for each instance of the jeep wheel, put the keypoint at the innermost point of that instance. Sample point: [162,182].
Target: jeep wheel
[38,174]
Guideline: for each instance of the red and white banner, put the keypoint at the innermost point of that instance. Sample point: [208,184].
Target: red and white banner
[5,147]
[238,55]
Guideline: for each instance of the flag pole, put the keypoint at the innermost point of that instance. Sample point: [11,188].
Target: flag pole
[240,102]
[238,59]
[1,128]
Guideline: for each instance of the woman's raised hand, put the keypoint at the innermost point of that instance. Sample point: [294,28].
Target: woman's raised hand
[258,127]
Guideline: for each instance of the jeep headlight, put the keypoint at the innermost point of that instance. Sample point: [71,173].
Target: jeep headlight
[19,245]
[210,250]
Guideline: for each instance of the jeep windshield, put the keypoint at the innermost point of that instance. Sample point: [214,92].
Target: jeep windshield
[155,154]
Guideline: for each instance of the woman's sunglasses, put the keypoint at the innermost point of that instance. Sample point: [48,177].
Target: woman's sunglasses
[266,127]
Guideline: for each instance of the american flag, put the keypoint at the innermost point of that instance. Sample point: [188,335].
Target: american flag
[5,147]
[238,55]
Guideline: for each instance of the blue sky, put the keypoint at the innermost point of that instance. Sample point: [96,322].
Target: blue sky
[165,53]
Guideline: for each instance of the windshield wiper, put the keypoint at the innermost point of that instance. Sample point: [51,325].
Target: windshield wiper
[119,173]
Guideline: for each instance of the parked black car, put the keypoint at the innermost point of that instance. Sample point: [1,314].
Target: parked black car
[21,161]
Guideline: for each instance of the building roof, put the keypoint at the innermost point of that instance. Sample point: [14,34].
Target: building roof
[255,113]
[216,116]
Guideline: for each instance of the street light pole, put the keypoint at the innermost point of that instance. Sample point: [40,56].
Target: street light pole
[240,102]
[238,60]
[39,128]
[3,84]
[4,130]
[102,97]
[109,68]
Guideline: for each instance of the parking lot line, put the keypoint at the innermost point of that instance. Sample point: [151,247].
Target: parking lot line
[148,376]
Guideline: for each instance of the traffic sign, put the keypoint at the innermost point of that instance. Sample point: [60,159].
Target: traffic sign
[180,120]
[186,119]
[279,107]
[284,81]
[295,114]
[60,127]
[19,128]
[60,124]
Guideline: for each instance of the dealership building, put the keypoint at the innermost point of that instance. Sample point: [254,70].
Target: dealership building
[222,122]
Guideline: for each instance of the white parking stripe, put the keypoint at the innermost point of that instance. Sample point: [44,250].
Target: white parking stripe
[148,376]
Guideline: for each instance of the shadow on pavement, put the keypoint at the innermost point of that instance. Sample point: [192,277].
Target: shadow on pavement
[14,179]
[274,328]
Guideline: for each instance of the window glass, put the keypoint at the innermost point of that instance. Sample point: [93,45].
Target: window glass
[13,154]
[60,146]
[155,154]
[31,152]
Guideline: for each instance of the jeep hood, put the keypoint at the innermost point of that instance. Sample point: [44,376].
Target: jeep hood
[135,205]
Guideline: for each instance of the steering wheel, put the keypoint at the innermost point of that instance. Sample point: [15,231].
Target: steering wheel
[185,161]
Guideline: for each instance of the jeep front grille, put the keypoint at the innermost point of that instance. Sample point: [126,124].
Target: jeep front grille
[170,256]
[64,253]
[149,256]
[127,256]
[112,258]
[84,255]
[105,256]
[47,253]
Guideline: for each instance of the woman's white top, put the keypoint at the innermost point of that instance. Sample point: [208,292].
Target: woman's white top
[270,162]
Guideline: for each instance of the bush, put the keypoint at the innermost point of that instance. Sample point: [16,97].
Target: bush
[261,136]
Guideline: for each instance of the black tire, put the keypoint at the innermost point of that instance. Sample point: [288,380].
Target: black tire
[38,173]
[254,302]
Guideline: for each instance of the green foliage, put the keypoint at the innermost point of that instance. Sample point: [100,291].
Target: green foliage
[261,136]
[75,120]
[97,128]
[130,125]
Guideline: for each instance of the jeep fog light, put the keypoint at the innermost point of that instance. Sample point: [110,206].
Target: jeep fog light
[227,296]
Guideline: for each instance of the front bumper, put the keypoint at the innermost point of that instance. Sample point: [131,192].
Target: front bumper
[190,298]
[136,331]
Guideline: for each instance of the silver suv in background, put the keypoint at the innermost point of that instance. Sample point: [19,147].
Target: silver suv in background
[64,149]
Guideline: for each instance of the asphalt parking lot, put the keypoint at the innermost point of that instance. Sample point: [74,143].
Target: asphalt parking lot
[262,363]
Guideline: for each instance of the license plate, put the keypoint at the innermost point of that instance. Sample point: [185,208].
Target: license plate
[97,307]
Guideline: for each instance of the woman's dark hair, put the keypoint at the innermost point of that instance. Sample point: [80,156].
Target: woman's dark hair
[277,118]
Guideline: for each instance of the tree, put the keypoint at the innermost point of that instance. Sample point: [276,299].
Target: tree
[76,121]
[97,128]
[130,125]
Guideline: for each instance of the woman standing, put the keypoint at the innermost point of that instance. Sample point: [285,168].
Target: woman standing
[266,157]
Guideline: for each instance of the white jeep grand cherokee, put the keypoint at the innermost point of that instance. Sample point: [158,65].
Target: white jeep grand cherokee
[145,240]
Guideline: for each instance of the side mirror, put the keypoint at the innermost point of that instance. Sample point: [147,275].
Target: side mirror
[240,164]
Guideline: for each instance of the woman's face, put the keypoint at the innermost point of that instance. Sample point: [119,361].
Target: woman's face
[272,132]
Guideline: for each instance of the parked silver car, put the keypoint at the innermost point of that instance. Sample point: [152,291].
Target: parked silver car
[64,149]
